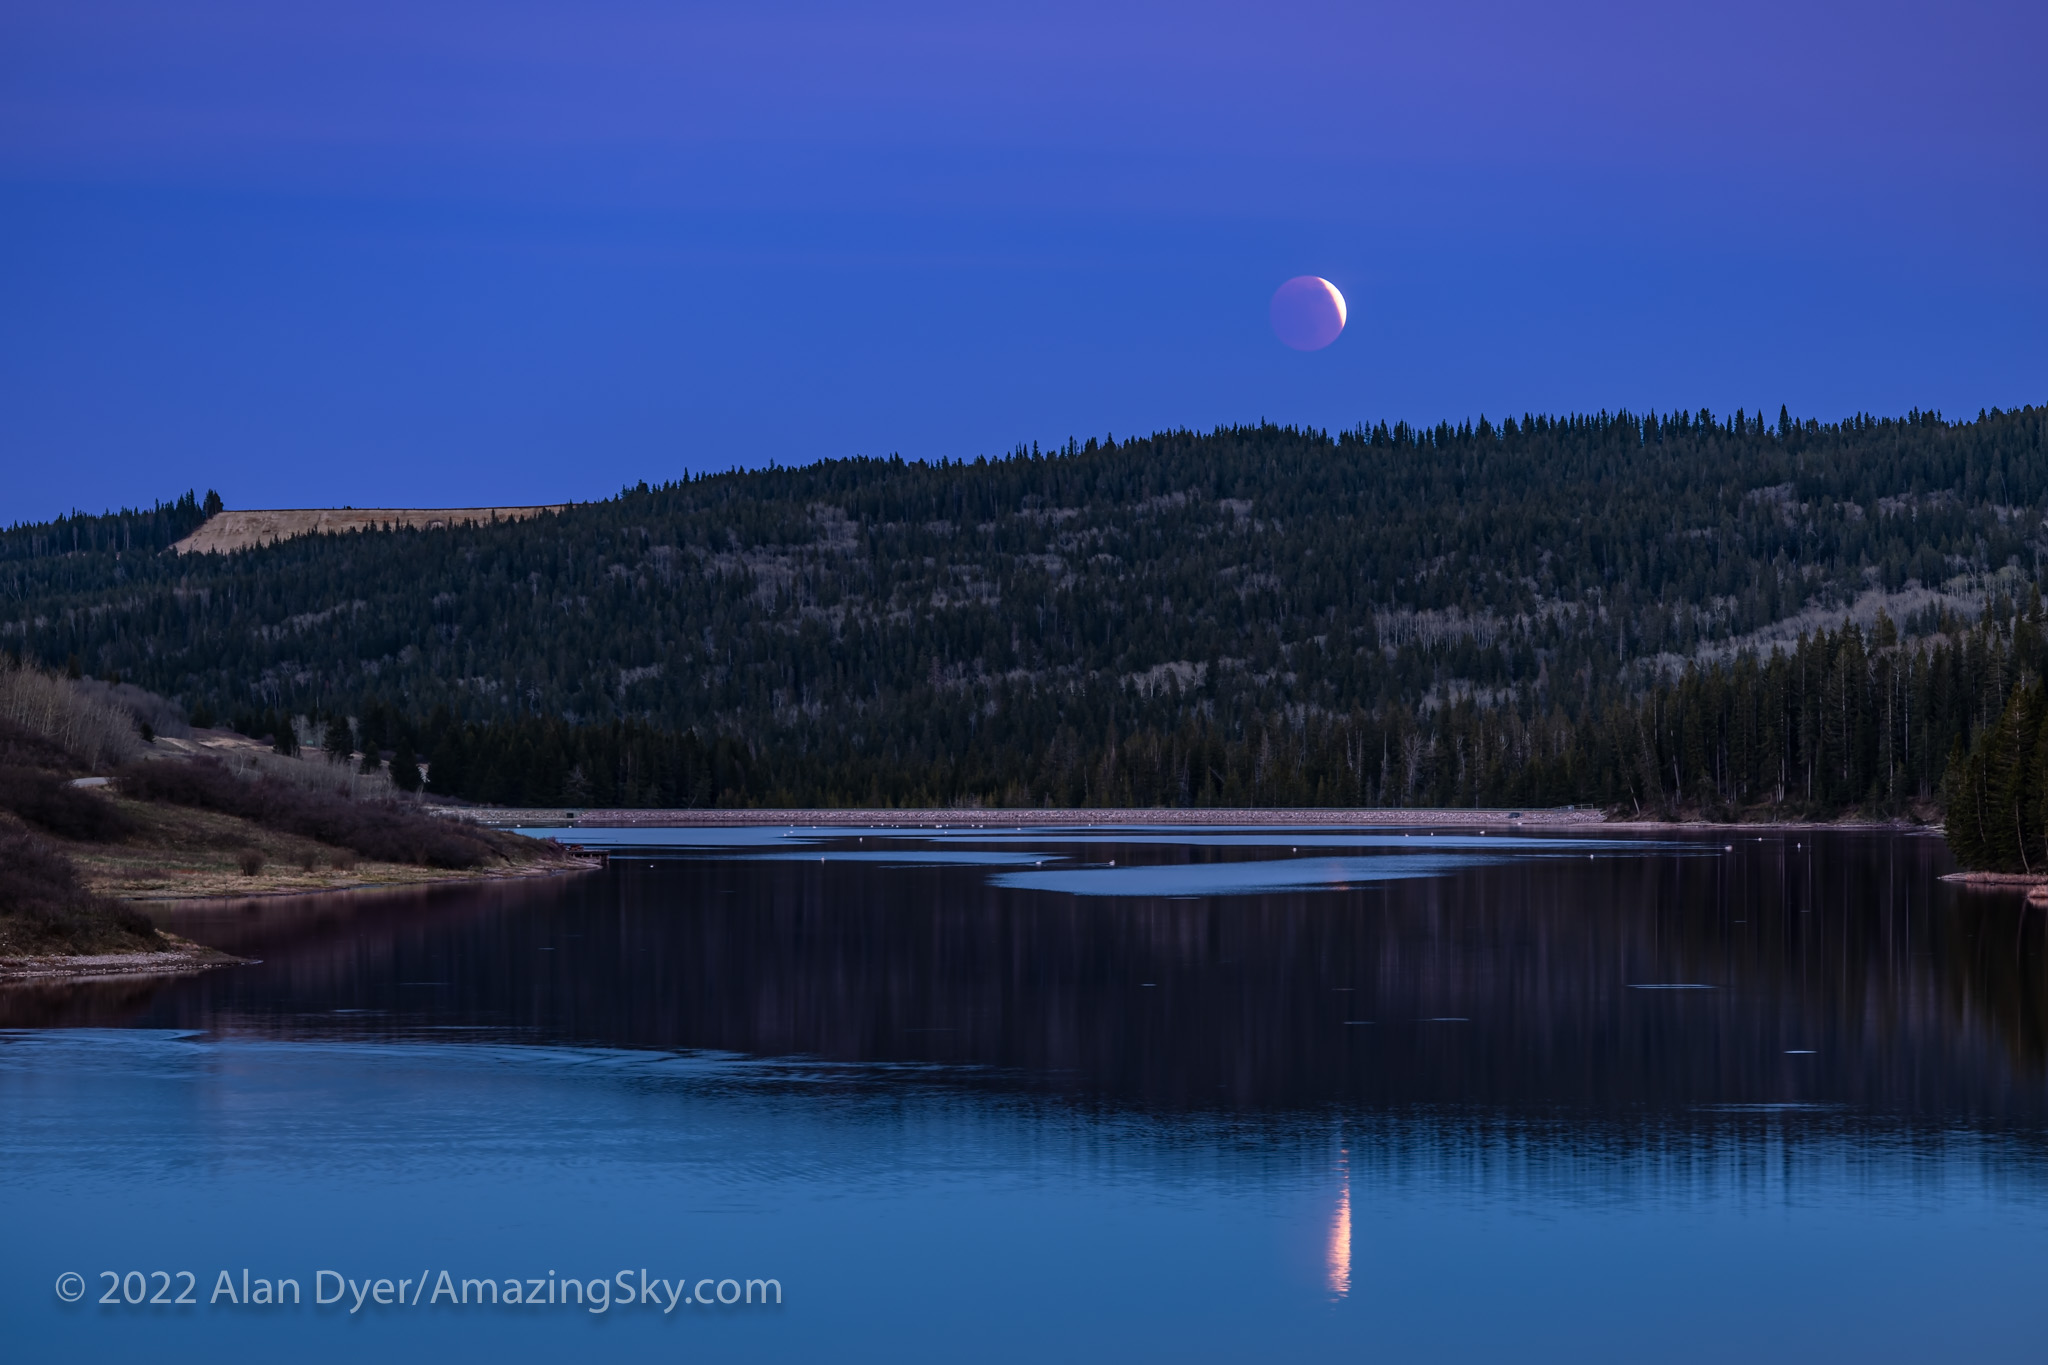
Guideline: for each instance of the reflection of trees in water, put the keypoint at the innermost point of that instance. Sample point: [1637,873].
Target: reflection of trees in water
[1993,976]
[307,949]
[107,1002]
[1761,1157]
[1845,945]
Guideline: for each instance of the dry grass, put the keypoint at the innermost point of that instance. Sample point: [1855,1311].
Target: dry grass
[255,823]
[394,831]
[49,908]
[179,852]
[253,759]
[229,531]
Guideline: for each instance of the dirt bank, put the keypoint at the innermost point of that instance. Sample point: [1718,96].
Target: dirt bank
[226,531]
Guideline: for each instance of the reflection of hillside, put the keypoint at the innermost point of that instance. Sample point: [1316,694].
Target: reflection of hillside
[102,1003]
[1850,950]
[313,944]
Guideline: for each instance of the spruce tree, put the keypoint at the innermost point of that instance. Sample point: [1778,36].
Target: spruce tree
[338,742]
[405,768]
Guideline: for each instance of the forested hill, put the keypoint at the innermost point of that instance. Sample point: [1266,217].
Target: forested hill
[1483,613]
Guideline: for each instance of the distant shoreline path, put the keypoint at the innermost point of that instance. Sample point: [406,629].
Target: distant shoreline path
[553,817]
[1062,818]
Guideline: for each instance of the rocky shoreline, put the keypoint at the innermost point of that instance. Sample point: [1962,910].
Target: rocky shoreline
[2035,884]
[180,958]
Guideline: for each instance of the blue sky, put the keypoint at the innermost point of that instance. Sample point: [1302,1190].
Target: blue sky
[443,253]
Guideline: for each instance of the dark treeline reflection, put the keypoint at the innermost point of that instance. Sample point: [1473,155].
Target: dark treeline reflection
[1845,974]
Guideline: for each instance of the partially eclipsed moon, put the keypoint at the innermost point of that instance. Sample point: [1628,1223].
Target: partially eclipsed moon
[1308,312]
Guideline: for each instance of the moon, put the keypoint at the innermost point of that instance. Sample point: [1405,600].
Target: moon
[1308,312]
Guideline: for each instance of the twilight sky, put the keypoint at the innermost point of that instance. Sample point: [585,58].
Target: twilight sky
[445,252]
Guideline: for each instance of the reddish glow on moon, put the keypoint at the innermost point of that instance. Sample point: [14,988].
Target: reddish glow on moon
[1308,312]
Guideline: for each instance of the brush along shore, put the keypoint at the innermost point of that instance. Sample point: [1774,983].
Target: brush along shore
[97,820]
[165,853]
[177,853]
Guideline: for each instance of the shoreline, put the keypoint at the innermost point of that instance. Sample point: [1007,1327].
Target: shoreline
[185,957]
[529,817]
[2002,881]
[279,884]
[182,958]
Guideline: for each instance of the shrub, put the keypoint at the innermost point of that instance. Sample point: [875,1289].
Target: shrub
[94,729]
[65,811]
[45,908]
[152,714]
[384,830]
[250,860]
[23,748]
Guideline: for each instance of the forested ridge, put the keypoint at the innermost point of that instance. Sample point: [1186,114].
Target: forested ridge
[1660,612]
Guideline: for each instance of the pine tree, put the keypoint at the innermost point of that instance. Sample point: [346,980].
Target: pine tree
[1995,791]
[405,769]
[337,743]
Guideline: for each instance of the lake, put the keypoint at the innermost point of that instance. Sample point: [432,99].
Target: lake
[1199,1094]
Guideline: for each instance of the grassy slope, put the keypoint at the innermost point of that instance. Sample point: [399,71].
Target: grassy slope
[74,861]
[46,907]
[177,852]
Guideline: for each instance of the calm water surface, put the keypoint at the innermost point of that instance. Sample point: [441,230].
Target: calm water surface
[1094,1094]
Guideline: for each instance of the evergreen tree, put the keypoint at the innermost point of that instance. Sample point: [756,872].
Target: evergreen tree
[405,769]
[338,743]
[1607,608]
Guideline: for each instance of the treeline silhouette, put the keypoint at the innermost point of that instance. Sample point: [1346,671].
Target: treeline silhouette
[1663,611]
[1996,791]
[1843,720]
[80,539]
